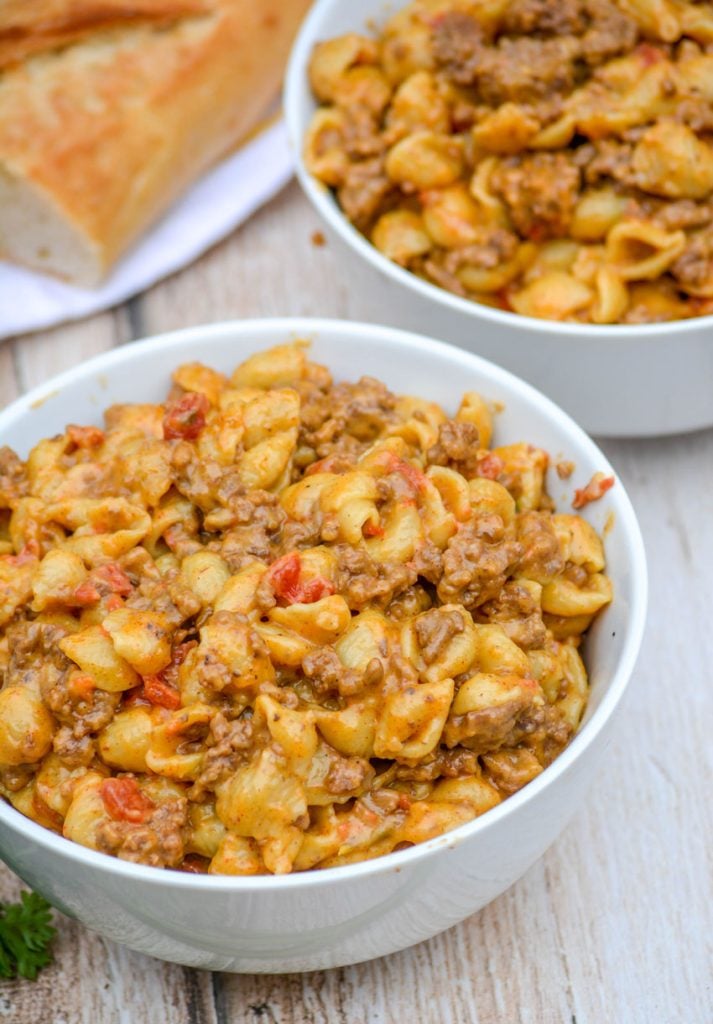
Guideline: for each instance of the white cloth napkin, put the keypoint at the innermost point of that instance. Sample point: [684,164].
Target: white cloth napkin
[214,207]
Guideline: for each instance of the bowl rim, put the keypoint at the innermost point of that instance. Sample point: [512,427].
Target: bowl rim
[264,331]
[297,119]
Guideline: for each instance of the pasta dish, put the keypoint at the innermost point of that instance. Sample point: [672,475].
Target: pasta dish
[551,159]
[279,623]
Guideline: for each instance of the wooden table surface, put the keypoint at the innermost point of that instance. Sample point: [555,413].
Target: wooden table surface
[614,924]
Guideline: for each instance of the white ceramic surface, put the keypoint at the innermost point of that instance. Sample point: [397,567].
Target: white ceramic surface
[631,381]
[343,915]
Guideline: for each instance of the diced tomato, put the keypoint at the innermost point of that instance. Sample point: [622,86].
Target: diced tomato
[27,554]
[373,530]
[185,418]
[81,685]
[284,574]
[158,691]
[489,466]
[107,579]
[86,593]
[413,476]
[649,54]
[313,590]
[124,801]
[115,578]
[85,437]
[597,486]
[404,803]
[328,464]
[537,232]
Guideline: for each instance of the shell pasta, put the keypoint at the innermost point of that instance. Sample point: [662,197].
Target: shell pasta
[280,623]
[555,160]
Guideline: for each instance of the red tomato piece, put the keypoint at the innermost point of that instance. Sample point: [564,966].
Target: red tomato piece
[597,486]
[115,578]
[86,593]
[185,418]
[413,476]
[28,554]
[85,437]
[158,691]
[649,54]
[373,530]
[285,578]
[81,686]
[490,466]
[284,575]
[124,801]
[314,590]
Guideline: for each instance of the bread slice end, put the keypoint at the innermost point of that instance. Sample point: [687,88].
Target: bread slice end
[35,234]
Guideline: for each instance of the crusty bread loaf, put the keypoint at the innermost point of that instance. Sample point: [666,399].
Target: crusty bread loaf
[109,109]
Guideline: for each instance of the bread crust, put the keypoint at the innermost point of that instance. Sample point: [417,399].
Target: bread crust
[43,25]
[111,129]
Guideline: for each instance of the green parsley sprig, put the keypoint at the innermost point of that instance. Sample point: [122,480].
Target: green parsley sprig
[25,936]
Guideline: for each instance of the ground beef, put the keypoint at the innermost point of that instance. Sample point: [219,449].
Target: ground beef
[683,214]
[361,580]
[541,558]
[158,595]
[611,32]
[329,677]
[338,426]
[413,600]
[518,612]
[605,159]
[457,447]
[35,655]
[74,751]
[697,113]
[362,136]
[428,563]
[457,43]
[443,763]
[13,478]
[435,630]
[347,774]
[510,770]
[228,743]
[433,269]
[213,663]
[541,191]
[158,842]
[476,563]
[694,267]
[524,70]
[365,192]
[498,246]
[491,728]
[526,17]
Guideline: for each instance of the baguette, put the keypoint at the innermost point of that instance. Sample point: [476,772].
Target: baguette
[110,109]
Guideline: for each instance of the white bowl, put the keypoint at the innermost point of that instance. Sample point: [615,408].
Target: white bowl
[631,381]
[342,915]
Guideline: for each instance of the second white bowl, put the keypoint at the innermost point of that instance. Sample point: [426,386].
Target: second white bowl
[631,381]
